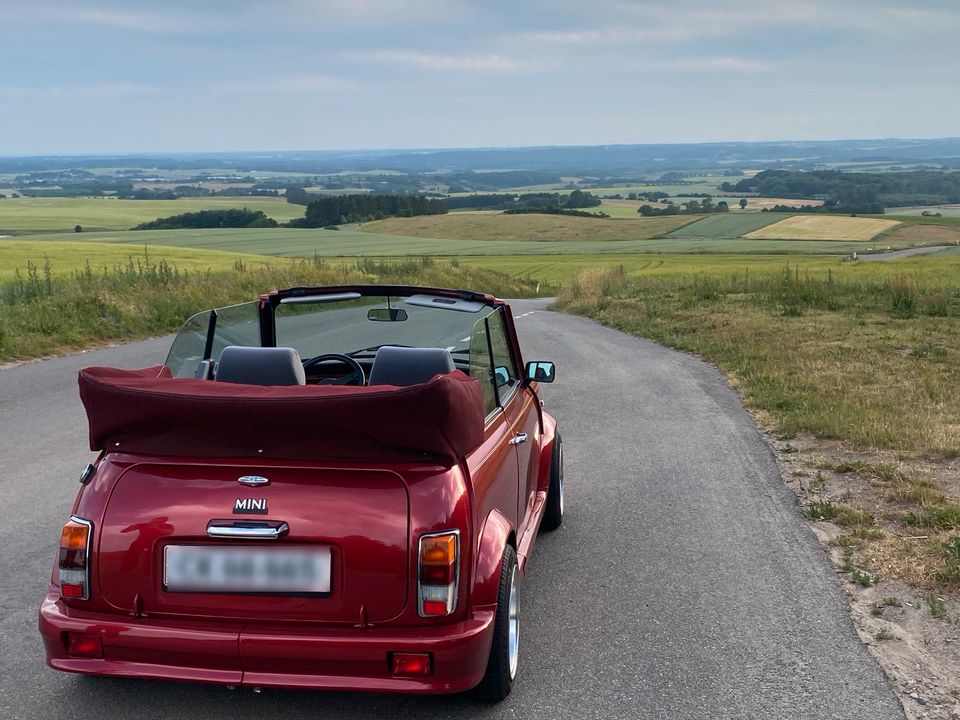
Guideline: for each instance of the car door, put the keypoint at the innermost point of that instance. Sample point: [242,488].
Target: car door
[521,416]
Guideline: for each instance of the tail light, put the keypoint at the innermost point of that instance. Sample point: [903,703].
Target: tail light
[75,559]
[438,569]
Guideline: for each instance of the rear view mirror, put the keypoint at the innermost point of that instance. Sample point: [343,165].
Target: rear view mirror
[387,314]
[540,371]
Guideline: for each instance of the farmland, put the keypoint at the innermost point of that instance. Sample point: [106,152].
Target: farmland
[727,225]
[823,227]
[24,215]
[529,228]
[64,257]
[290,242]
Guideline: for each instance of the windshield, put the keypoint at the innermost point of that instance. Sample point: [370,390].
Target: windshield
[348,324]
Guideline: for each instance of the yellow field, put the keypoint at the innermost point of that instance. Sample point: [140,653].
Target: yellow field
[533,227]
[816,227]
[65,257]
[20,216]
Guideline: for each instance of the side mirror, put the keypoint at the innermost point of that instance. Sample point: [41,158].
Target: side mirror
[387,314]
[540,371]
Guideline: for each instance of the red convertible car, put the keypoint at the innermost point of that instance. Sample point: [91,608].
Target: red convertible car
[330,487]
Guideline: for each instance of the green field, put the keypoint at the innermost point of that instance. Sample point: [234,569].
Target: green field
[561,270]
[291,242]
[727,225]
[527,227]
[19,216]
[66,257]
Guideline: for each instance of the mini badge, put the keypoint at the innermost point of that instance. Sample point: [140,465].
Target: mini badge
[250,506]
[253,480]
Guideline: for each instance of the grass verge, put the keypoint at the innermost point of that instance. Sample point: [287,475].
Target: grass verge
[863,358]
[43,312]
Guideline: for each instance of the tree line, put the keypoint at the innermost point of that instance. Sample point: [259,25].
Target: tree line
[341,209]
[688,208]
[855,192]
[207,219]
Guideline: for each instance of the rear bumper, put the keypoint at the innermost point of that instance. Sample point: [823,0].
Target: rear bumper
[269,656]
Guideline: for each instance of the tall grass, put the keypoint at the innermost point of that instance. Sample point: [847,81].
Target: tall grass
[869,358]
[44,312]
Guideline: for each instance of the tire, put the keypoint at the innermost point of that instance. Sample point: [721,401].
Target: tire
[553,513]
[504,652]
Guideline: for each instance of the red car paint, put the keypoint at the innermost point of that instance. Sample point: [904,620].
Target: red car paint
[371,516]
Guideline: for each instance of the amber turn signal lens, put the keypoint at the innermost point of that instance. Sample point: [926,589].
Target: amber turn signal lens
[74,536]
[439,549]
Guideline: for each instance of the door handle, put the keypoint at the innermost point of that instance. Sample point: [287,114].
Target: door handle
[518,438]
[248,531]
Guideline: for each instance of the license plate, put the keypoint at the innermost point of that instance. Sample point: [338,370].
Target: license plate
[194,568]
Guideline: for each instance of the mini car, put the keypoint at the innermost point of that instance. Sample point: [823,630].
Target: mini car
[329,487]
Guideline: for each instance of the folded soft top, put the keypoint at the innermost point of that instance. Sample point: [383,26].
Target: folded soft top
[149,411]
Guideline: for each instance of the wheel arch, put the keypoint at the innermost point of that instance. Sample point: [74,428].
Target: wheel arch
[497,533]
[549,437]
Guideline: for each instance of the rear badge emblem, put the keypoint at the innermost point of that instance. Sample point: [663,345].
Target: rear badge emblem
[250,506]
[253,480]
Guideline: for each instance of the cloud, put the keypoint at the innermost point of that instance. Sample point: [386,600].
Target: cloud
[492,63]
[364,13]
[720,64]
[692,20]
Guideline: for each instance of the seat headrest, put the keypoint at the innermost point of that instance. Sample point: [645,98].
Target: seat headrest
[260,366]
[409,366]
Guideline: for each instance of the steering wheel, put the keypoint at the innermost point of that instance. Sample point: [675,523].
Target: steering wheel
[356,375]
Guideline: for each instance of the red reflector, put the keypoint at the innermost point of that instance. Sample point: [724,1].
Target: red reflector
[71,590]
[83,645]
[411,664]
[434,607]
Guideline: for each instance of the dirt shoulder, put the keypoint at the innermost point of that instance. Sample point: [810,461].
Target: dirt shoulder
[860,505]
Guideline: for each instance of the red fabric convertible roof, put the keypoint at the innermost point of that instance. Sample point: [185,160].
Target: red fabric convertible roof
[148,411]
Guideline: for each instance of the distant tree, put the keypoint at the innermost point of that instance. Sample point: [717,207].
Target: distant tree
[722,207]
[203,219]
[298,196]
[743,203]
[581,199]
[77,228]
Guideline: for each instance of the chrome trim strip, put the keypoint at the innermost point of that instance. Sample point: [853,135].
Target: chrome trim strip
[258,532]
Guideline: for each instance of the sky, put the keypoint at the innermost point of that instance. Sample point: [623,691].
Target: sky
[220,75]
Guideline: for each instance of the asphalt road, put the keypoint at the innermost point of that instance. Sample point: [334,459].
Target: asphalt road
[682,585]
[894,254]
